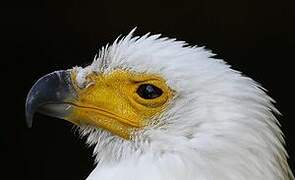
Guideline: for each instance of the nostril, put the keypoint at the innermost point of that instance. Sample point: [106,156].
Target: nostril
[89,83]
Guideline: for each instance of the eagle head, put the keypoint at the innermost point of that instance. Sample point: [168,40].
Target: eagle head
[159,106]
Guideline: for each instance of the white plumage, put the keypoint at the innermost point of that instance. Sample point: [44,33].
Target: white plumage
[220,125]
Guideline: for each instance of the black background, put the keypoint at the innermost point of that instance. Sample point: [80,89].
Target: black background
[38,37]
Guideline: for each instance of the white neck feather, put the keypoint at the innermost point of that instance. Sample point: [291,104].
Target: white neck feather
[219,126]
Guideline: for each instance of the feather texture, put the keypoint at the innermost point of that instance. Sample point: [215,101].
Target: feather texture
[220,124]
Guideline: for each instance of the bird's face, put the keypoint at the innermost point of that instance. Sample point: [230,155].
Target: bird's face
[128,87]
[119,101]
[134,84]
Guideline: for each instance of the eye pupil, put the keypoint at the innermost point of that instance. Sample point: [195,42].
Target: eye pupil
[149,91]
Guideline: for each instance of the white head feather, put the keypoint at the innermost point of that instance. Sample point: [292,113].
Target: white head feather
[220,125]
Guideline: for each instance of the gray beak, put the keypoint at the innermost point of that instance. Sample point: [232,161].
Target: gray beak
[51,95]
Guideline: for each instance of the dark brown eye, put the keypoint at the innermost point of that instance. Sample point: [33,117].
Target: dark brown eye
[149,91]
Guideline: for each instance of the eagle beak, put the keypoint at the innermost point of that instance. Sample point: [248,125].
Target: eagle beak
[110,101]
[51,95]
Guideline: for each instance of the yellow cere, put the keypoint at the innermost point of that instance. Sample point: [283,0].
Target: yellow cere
[111,101]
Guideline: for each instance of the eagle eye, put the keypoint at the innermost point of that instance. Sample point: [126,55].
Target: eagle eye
[149,91]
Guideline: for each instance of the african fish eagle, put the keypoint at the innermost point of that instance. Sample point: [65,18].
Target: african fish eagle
[156,108]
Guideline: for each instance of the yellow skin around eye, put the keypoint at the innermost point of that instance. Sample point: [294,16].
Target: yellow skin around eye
[111,102]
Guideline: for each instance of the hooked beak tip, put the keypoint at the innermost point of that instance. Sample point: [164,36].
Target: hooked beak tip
[50,89]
